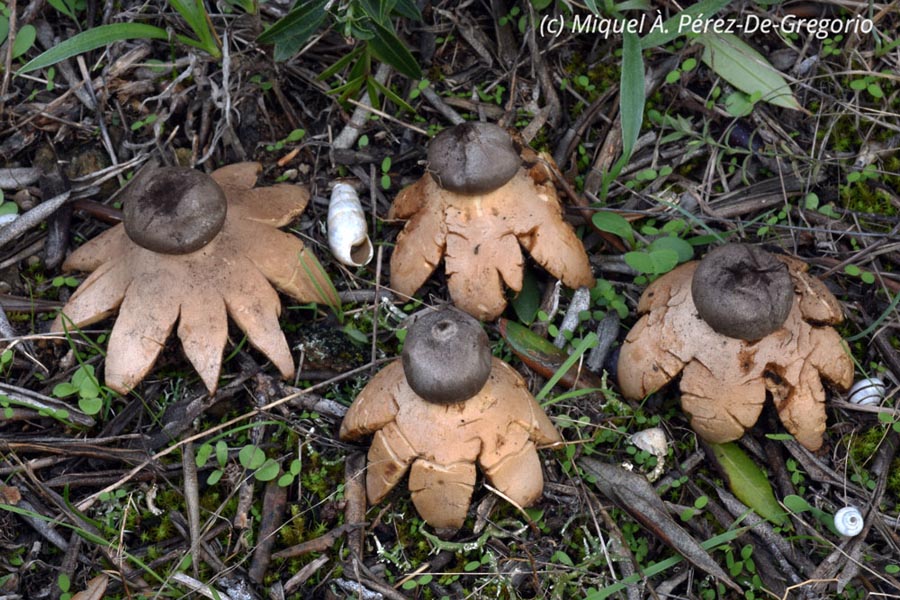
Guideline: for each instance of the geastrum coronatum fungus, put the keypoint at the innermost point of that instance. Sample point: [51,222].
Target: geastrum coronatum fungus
[445,405]
[473,207]
[194,248]
[736,325]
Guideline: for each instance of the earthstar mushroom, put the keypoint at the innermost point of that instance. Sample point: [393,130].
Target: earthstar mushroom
[473,208]
[195,248]
[438,436]
[173,210]
[724,379]
[742,291]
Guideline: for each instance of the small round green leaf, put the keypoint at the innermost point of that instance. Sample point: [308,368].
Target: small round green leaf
[90,406]
[214,477]
[268,471]
[251,457]
[24,40]
[683,249]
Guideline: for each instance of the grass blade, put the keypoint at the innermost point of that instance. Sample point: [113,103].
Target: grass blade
[631,95]
[294,29]
[92,39]
[631,103]
[390,49]
[194,13]
[746,69]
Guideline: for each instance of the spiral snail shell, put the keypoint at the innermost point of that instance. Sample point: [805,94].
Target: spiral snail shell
[348,235]
[848,521]
[866,391]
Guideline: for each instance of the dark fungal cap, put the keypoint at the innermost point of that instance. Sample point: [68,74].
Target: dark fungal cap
[472,158]
[742,291]
[173,210]
[446,356]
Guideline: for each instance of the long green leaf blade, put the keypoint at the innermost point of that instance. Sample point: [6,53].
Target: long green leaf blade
[294,29]
[391,95]
[748,482]
[92,39]
[631,104]
[194,13]
[631,94]
[390,49]
[746,69]
[408,9]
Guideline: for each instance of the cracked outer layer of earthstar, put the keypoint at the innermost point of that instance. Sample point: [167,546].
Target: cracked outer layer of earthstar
[499,427]
[473,209]
[724,380]
[227,273]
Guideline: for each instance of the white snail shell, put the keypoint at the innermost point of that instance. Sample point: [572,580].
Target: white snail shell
[848,521]
[651,440]
[7,219]
[867,391]
[348,235]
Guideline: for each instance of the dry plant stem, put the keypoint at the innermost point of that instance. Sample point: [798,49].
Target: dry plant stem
[246,491]
[199,587]
[581,301]
[607,334]
[887,351]
[355,494]
[52,184]
[780,549]
[355,589]
[324,542]
[575,132]
[629,566]
[75,519]
[192,501]
[274,501]
[819,471]
[46,37]
[94,448]
[40,402]
[7,58]
[70,561]
[506,41]
[204,549]
[365,577]
[301,576]
[32,218]
[442,107]
[18,177]
[667,588]
[605,158]
[180,417]
[44,528]
[539,65]
[352,130]
[366,296]
[7,333]
[316,403]
[376,306]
